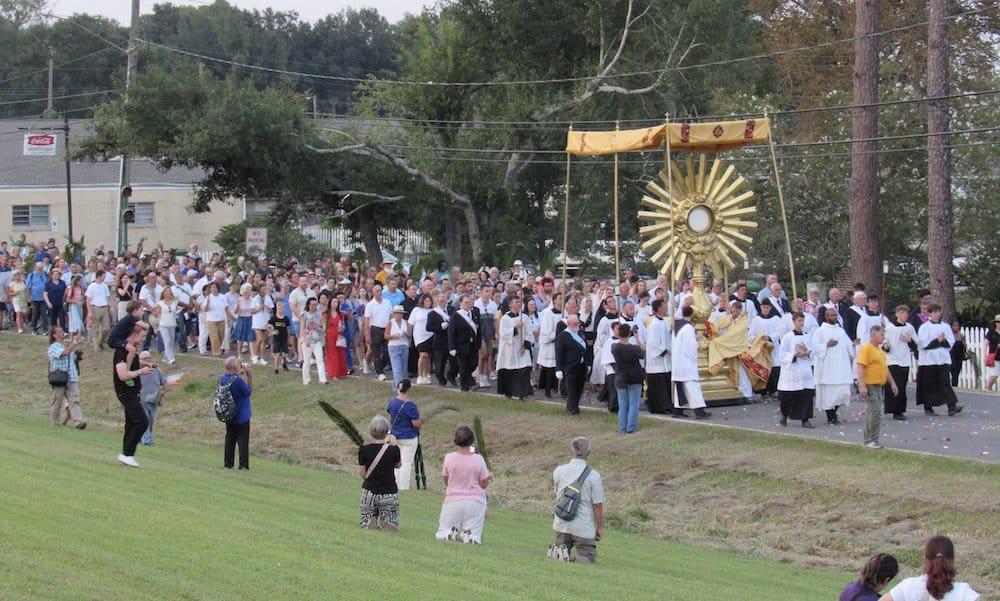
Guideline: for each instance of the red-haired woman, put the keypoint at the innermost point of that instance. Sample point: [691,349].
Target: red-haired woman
[938,582]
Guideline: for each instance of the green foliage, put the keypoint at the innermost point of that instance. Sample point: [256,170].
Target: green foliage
[250,143]
[282,241]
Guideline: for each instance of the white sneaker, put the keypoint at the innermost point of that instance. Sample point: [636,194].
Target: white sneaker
[467,538]
[563,553]
[493,375]
[365,370]
[453,534]
[128,460]
[551,554]
[381,377]
[874,445]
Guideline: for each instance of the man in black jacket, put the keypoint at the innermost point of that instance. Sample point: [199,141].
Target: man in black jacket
[571,362]
[437,324]
[463,340]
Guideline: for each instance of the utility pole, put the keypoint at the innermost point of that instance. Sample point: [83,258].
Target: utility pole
[49,113]
[69,188]
[125,175]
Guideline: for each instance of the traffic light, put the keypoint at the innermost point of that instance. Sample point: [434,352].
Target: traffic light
[128,216]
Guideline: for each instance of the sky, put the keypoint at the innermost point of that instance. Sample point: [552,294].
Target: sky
[309,10]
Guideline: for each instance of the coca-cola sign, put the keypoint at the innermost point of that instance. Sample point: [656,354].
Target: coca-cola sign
[40,145]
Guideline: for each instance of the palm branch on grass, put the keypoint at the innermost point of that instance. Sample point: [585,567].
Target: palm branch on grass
[343,423]
[477,429]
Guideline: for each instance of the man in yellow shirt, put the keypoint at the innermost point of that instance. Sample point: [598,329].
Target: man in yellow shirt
[873,375]
[386,271]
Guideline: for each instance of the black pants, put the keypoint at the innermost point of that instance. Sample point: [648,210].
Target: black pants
[379,350]
[39,315]
[237,434]
[609,393]
[441,359]
[547,380]
[57,316]
[467,363]
[135,423]
[574,381]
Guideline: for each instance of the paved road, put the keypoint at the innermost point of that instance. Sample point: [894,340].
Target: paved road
[972,434]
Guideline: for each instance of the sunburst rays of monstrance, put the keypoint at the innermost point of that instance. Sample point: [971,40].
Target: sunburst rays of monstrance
[697,220]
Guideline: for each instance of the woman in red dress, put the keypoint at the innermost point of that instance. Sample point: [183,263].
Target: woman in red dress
[336,355]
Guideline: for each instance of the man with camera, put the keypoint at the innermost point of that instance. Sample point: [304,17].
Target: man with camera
[65,357]
[239,377]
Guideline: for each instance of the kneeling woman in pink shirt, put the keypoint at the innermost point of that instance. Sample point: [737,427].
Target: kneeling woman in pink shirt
[465,475]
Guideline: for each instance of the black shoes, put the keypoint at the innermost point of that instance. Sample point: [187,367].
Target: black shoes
[955,410]
[783,421]
[930,412]
[899,417]
[808,424]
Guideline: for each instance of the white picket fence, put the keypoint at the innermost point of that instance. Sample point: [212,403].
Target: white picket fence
[974,342]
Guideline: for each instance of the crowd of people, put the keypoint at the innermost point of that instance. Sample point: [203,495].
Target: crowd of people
[627,342]
[623,340]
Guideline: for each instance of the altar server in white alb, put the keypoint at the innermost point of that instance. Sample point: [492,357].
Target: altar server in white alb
[835,353]
[550,318]
[796,385]
[513,353]
[658,363]
[684,354]
[901,343]
[935,340]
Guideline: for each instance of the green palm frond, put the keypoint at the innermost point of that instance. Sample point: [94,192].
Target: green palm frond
[477,429]
[343,423]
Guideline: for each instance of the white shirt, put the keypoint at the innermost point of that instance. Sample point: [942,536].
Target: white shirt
[394,329]
[261,310]
[98,294]
[914,589]
[150,296]
[378,313]
[168,314]
[215,307]
[418,325]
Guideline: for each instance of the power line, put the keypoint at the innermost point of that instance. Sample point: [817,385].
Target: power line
[563,80]
[44,98]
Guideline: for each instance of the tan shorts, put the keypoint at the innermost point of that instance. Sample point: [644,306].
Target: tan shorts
[586,548]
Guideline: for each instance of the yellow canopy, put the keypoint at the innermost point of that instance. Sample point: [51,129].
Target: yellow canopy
[699,137]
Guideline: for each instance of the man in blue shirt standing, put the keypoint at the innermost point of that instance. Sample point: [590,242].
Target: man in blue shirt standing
[238,430]
[36,289]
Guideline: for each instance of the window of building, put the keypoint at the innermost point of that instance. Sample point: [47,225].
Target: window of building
[143,212]
[30,216]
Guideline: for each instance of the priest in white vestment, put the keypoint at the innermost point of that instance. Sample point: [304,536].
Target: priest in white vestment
[684,357]
[834,351]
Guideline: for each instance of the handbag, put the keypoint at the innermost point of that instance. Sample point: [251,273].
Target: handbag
[569,499]
[58,377]
[991,359]
[341,341]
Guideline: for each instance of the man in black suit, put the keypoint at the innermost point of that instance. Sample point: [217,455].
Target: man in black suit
[463,340]
[571,362]
[437,324]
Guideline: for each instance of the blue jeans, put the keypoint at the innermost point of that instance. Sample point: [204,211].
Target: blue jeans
[398,354]
[150,410]
[628,408]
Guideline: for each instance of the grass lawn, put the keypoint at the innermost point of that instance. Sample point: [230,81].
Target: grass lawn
[78,526]
[694,511]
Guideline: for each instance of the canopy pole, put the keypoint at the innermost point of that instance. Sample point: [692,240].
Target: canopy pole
[784,216]
[670,190]
[566,224]
[618,263]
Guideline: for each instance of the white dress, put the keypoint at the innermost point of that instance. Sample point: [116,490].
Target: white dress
[547,337]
